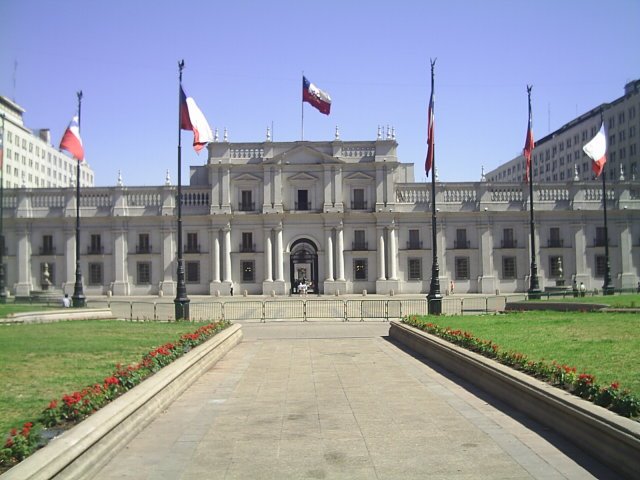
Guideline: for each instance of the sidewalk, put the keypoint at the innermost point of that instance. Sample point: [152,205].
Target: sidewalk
[338,400]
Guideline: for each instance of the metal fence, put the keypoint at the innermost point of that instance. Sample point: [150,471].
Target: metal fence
[299,309]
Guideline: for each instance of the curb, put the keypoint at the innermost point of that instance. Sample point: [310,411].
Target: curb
[82,451]
[47,316]
[608,437]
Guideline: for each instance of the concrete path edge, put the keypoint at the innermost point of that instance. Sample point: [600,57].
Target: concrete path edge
[47,316]
[612,439]
[87,447]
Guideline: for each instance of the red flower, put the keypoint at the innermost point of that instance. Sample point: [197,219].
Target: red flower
[9,443]
[615,385]
[53,404]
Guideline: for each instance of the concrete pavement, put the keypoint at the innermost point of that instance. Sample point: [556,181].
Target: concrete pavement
[338,400]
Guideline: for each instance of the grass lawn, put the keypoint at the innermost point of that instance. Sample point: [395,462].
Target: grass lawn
[606,345]
[40,362]
[626,300]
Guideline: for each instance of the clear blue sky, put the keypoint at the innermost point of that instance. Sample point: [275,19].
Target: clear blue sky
[244,61]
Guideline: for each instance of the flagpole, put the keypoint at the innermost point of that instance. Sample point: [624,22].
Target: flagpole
[78,299]
[434,298]
[607,288]
[3,292]
[302,110]
[534,284]
[181,302]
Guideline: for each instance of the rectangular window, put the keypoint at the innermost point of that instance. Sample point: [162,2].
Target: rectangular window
[358,202]
[555,266]
[461,238]
[600,239]
[143,273]
[247,242]
[95,274]
[360,269]
[554,238]
[302,202]
[95,245]
[47,245]
[509,268]
[601,266]
[246,201]
[192,243]
[508,239]
[414,268]
[144,246]
[359,242]
[248,268]
[462,268]
[192,272]
[414,242]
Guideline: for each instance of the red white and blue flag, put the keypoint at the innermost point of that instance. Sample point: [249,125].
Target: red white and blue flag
[71,141]
[428,164]
[529,145]
[192,118]
[316,97]
[596,149]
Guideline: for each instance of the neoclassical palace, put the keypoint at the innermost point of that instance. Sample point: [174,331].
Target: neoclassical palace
[341,216]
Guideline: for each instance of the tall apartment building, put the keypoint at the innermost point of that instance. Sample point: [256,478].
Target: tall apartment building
[30,160]
[558,157]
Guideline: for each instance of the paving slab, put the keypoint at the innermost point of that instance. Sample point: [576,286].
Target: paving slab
[339,400]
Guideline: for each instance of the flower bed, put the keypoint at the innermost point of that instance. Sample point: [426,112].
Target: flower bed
[73,408]
[583,385]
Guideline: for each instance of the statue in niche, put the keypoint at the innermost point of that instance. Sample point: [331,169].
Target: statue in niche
[46,282]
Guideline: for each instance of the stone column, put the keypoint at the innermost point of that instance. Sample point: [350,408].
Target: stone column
[340,252]
[381,272]
[227,254]
[393,253]
[329,254]
[268,254]
[215,267]
[279,255]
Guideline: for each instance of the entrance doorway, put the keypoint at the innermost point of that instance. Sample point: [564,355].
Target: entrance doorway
[303,267]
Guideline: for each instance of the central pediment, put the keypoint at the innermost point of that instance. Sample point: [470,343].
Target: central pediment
[303,155]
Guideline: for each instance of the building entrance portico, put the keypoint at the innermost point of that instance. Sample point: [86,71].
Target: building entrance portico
[303,266]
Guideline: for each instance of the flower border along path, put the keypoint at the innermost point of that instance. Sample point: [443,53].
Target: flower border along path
[83,450]
[608,437]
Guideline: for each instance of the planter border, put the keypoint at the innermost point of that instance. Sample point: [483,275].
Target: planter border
[48,316]
[608,437]
[83,450]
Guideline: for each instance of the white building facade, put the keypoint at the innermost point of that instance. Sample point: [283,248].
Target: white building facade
[558,157]
[341,216]
[30,160]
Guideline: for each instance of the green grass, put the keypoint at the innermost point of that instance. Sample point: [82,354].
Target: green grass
[606,345]
[40,362]
[626,300]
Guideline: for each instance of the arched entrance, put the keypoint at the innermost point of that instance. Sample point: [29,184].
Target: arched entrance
[303,265]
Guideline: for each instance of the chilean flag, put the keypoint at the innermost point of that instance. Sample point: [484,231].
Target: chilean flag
[430,140]
[529,145]
[316,97]
[596,149]
[192,118]
[71,141]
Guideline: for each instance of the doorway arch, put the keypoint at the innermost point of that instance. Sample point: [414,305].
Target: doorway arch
[303,265]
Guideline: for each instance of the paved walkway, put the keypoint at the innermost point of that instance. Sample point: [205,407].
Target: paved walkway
[339,400]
